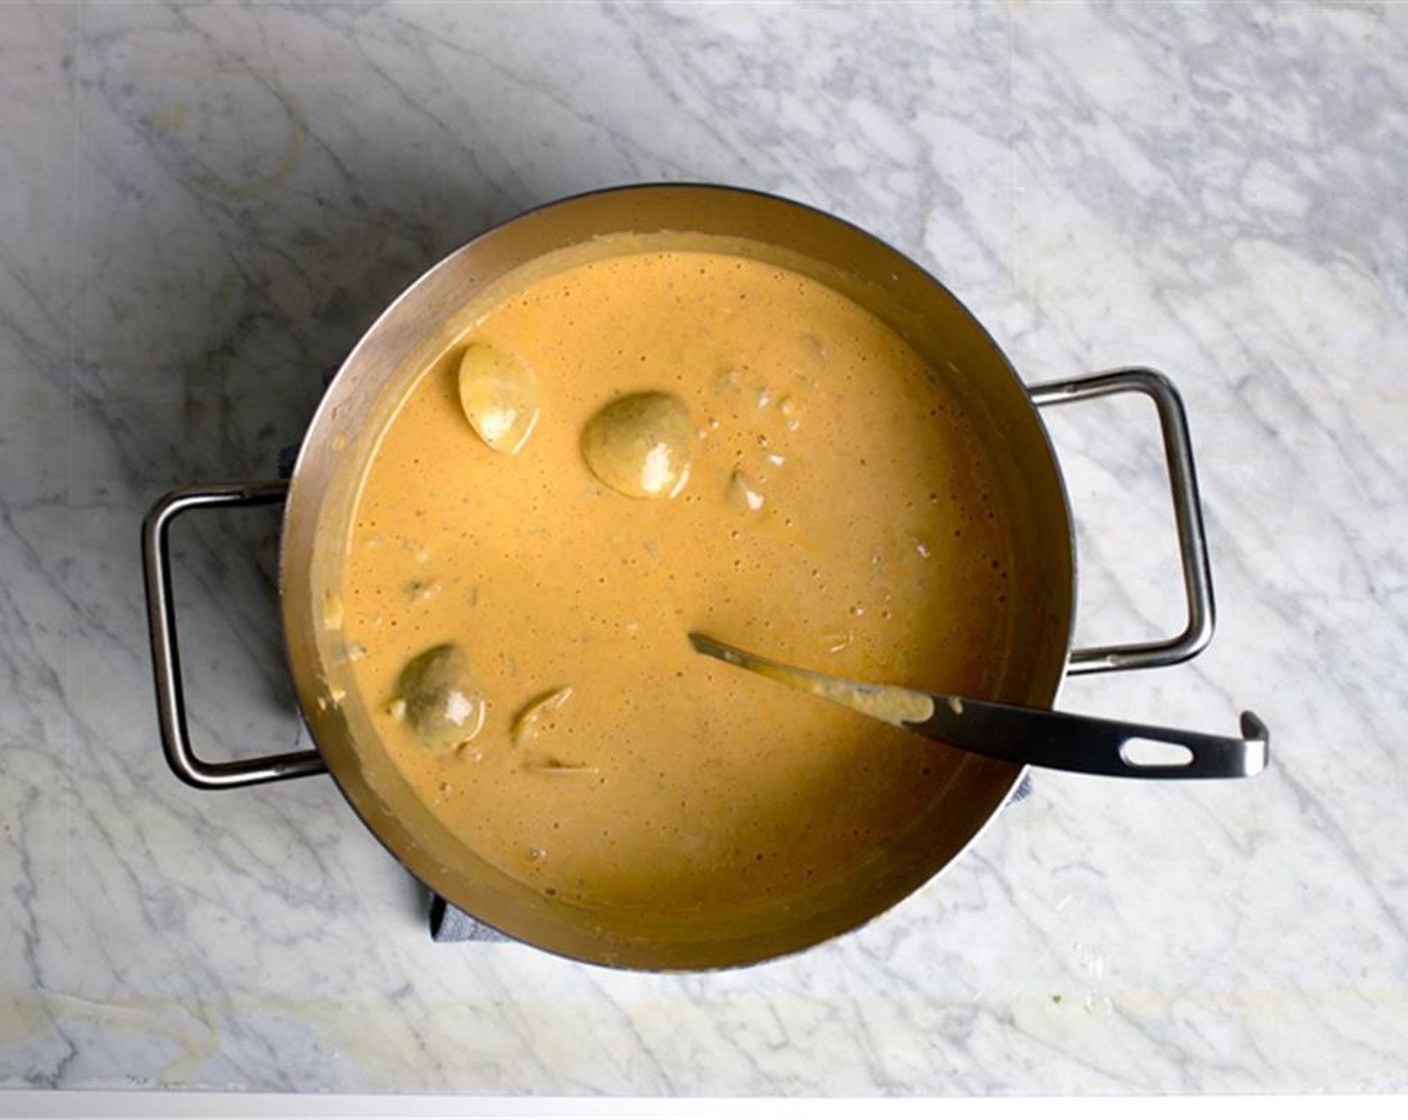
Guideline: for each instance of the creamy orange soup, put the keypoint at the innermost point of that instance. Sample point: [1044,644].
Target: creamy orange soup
[833,512]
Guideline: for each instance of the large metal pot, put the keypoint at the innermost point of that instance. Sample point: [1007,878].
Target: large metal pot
[318,499]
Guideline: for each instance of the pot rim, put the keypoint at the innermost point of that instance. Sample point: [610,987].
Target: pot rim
[311,463]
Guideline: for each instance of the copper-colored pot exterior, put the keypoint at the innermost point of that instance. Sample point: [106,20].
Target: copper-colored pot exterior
[355,408]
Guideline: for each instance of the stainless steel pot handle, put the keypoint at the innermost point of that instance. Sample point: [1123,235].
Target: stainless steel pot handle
[1187,512]
[166,661]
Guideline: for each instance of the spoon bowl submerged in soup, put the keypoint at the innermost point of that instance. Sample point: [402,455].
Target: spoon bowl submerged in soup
[702,440]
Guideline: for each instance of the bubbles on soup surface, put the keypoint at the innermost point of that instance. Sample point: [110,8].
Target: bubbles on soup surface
[500,396]
[440,697]
[641,445]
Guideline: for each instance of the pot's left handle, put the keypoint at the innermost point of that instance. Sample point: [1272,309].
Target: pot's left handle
[166,661]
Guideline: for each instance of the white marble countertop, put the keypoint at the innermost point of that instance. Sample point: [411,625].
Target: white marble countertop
[203,206]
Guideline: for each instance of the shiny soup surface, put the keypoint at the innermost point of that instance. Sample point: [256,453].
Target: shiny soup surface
[619,453]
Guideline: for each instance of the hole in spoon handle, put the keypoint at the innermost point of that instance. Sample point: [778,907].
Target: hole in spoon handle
[1142,753]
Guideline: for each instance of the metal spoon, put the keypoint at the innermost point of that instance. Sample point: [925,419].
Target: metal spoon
[1029,736]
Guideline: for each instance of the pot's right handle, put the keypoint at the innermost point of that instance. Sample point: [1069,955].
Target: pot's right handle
[166,661]
[1187,512]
